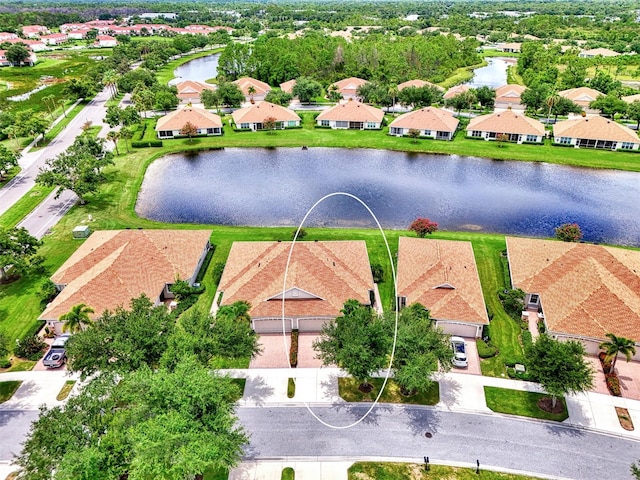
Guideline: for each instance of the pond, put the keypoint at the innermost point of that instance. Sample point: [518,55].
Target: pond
[276,187]
[492,75]
[199,69]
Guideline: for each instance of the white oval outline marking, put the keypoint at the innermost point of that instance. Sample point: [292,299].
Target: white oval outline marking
[395,287]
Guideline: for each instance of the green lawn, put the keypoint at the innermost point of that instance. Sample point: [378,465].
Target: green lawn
[215,474]
[65,390]
[348,390]
[22,207]
[525,404]
[403,471]
[7,389]
[55,131]
[288,474]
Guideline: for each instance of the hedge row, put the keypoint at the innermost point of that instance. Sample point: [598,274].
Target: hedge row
[151,143]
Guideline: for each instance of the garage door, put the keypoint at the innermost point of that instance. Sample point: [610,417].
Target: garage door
[271,325]
[459,329]
[311,324]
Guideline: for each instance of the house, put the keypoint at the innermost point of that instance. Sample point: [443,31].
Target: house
[631,98]
[418,84]
[252,89]
[105,41]
[78,34]
[54,38]
[254,116]
[4,62]
[603,52]
[207,123]
[351,115]
[35,45]
[510,47]
[287,87]
[582,291]
[455,91]
[518,128]
[508,96]
[431,122]
[443,277]
[348,87]
[321,277]
[70,27]
[7,36]
[582,96]
[189,91]
[113,266]
[34,31]
[595,132]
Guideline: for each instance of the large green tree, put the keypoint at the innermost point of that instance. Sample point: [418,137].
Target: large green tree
[306,89]
[152,423]
[618,346]
[17,54]
[358,341]
[79,168]
[633,113]
[230,95]
[8,159]
[560,367]
[17,252]
[609,105]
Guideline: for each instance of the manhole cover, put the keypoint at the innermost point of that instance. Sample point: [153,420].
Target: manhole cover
[428,434]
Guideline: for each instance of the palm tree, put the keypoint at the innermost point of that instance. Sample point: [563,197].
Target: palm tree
[617,345]
[113,136]
[75,318]
[126,134]
[251,91]
[551,101]
[46,100]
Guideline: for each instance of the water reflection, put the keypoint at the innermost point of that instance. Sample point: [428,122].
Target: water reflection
[198,70]
[271,187]
[492,75]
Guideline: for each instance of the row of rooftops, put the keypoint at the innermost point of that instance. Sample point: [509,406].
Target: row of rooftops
[585,290]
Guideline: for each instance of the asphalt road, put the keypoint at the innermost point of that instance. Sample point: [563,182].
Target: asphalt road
[14,425]
[500,441]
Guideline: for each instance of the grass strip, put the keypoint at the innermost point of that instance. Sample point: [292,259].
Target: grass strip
[348,391]
[7,389]
[24,206]
[524,404]
[414,471]
[65,390]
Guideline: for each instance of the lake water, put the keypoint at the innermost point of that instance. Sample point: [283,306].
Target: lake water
[274,187]
[198,70]
[492,75]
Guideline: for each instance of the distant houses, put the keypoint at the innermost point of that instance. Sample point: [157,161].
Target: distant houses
[430,122]
[595,132]
[206,123]
[252,89]
[508,126]
[418,84]
[351,115]
[508,96]
[105,41]
[455,91]
[581,96]
[189,91]
[256,116]
[348,87]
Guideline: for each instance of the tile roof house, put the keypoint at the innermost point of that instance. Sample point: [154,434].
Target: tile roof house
[261,88]
[254,116]
[348,87]
[603,52]
[7,36]
[54,38]
[418,84]
[351,115]
[443,277]
[595,132]
[4,62]
[106,41]
[508,96]
[582,96]
[206,122]
[583,291]
[513,47]
[113,266]
[34,31]
[631,98]
[321,277]
[35,45]
[518,128]
[189,91]
[78,34]
[454,91]
[287,86]
[430,121]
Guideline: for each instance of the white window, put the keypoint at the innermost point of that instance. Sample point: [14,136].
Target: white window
[532,138]
[427,133]
[565,141]
[476,133]
[342,124]
[292,123]
[627,145]
[395,131]
[244,125]
[324,123]
[372,125]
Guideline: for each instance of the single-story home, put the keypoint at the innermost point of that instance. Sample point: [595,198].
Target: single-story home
[189,91]
[517,127]
[443,277]
[508,96]
[418,84]
[594,52]
[351,115]
[431,122]
[4,62]
[35,45]
[321,277]
[207,123]
[113,266]
[455,91]
[252,89]
[595,132]
[106,41]
[287,86]
[513,47]
[54,38]
[631,98]
[7,36]
[254,116]
[582,96]
[582,291]
[348,87]
[34,31]
[78,34]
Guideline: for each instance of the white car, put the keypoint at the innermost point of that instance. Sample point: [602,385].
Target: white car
[459,352]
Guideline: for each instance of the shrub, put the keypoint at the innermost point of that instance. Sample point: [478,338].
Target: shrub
[301,234]
[569,232]
[527,339]
[423,227]
[605,362]
[47,292]
[512,302]
[293,351]
[5,362]
[216,272]
[485,350]
[378,272]
[613,384]
[145,144]
[30,348]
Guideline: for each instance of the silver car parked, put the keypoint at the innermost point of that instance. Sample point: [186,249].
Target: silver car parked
[459,352]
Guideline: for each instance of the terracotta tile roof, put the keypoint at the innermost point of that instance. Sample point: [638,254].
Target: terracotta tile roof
[349,84]
[457,90]
[632,98]
[245,82]
[507,122]
[429,118]
[113,266]
[352,111]
[585,290]
[605,52]
[190,87]
[595,128]
[259,111]
[332,272]
[441,275]
[288,86]
[583,96]
[509,93]
[199,117]
[418,84]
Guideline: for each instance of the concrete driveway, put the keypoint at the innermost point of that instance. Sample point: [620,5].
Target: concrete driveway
[628,374]
[472,357]
[274,354]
